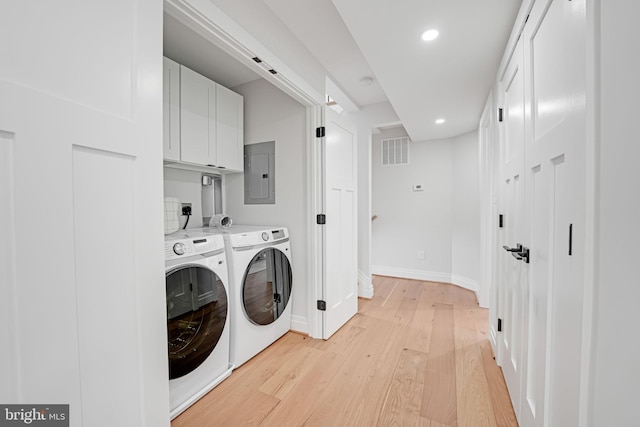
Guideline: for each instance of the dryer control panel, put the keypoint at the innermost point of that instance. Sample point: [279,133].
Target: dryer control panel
[251,238]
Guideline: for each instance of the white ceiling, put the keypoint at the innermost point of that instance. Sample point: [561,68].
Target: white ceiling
[448,78]
[317,24]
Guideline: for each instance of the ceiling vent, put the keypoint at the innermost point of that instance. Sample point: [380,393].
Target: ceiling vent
[395,151]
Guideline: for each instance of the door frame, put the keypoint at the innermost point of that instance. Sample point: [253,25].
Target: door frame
[489,155]
[214,25]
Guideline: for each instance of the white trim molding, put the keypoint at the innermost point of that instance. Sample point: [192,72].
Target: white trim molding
[209,21]
[466,283]
[299,324]
[365,287]
[429,276]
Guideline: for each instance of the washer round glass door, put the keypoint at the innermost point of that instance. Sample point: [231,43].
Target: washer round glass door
[196,314]
[266,287]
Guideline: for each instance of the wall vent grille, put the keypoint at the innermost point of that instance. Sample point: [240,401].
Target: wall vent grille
[395,151]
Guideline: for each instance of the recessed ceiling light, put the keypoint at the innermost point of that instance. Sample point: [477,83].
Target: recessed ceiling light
[439,121]
[430,35]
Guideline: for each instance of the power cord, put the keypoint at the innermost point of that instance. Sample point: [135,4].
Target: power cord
[186,210]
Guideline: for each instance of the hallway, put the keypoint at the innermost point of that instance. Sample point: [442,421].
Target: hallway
[415,354]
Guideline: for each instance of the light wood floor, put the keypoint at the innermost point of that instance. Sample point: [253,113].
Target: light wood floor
[417,354]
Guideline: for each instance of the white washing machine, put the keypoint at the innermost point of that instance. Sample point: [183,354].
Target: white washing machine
[261,283]
[198,320]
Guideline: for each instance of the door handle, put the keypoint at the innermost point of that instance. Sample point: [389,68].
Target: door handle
[519,252]
[518,248]
[524,255]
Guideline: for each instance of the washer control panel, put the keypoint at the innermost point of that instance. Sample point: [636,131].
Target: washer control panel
[179,248]
[191,246]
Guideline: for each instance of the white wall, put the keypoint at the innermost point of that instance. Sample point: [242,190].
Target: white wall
[366,120]
[465,232]
[615,367]
[442,220]
[410,221]
[271,115]
[187,187]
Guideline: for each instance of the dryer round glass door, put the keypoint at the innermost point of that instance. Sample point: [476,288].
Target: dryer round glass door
[196,314]
[266,287]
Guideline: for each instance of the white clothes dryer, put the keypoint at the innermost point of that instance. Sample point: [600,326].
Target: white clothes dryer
[198,321]
[261,285]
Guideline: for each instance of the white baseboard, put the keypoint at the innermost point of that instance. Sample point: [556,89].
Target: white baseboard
[464,282]
[299,324]
[365,287]
[429,276]
[483,299]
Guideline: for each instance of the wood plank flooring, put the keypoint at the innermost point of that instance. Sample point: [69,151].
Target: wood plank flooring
[417,354]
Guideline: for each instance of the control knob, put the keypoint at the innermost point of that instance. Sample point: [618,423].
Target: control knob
[179,248]
[265,236]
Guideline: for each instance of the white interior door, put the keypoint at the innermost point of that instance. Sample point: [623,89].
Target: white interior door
[554,91]
[491,251]
[81,210]
[341,238]
[512,270]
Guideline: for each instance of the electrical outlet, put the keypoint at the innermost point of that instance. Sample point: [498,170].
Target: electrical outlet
[420,254]
[186,209]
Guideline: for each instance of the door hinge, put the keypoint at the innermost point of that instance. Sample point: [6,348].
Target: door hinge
[499,114]
[322,305]
[320,132]
[501,221]
[499,325]
[321,219]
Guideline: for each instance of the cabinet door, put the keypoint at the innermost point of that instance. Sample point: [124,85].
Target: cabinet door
[171,110]
[198,123]
[229,135]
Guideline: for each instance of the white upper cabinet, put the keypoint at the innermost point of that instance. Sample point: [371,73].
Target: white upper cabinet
[197,118]
[229,134]
[171,110]
[203,121]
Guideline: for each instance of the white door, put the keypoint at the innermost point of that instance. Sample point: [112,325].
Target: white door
[512,270]
[555,137]
[171,110]
[197,118]
[83,304]
[489,218]
[229,129]
[340,287]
